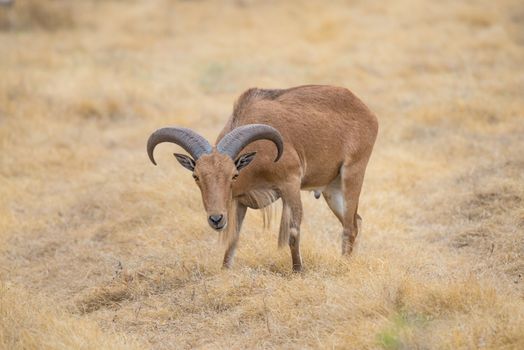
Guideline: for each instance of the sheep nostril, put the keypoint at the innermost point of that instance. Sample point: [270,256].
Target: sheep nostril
[215,219]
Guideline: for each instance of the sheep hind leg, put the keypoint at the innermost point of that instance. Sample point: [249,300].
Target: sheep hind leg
[337,197]
[352,177]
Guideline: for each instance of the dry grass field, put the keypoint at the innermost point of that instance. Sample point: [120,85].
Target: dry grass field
[101,250]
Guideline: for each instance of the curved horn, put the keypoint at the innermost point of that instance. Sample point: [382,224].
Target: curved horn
[189,140]
[233,142]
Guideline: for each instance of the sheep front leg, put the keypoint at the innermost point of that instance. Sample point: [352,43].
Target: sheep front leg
[233,240]
[290,225]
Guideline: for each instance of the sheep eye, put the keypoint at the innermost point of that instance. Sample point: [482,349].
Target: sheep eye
[195,177]
[235,176]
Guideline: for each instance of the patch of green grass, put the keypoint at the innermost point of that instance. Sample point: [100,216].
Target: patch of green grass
[396,334]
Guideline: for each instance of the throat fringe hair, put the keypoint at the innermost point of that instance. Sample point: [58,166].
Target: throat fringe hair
[258,199]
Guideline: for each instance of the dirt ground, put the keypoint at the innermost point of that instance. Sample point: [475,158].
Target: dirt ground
[100,249]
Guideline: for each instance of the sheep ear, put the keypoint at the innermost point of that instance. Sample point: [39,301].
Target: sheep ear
[186,161]
[244,160]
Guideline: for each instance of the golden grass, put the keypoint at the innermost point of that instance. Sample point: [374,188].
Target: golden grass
[102,250]
[28,322]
